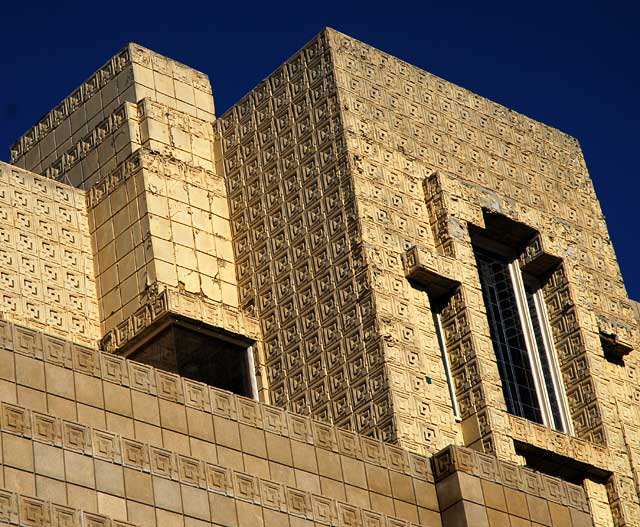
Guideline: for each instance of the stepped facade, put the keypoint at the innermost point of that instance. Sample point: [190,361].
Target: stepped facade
[361,297]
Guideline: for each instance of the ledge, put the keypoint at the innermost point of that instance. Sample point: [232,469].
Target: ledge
[432,272]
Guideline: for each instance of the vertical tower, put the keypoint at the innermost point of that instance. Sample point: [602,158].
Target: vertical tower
[345,154]
[138,136]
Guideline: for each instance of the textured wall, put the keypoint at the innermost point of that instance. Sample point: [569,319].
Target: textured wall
[46,262]
[160,218]
[163,244]
[298,247]
[87,429]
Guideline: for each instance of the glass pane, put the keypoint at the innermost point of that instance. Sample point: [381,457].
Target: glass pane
[508,339]
[544,360]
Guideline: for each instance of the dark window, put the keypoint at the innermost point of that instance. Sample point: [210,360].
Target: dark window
[198,356]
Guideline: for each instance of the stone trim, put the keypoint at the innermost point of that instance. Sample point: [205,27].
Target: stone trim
[70,103]
[545,438]
[434,272]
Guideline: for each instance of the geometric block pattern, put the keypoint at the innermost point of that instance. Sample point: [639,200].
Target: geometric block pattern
[298,260]
[40,138]
[46,262]
[18,509]
[295,458]
[454,459]
[105,389]
[289,468]
[178,483]
[408,124]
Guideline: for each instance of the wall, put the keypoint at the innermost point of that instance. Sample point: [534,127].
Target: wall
[297,246]
[46,261]
[91,429]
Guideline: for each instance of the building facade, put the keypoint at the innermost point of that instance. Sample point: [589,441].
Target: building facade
[363,296]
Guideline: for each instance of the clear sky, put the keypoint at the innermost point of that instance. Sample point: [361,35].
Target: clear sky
[571,64]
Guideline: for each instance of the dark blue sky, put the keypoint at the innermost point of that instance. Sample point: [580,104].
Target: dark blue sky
[572,65]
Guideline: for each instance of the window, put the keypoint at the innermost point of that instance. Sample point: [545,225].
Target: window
[197,354]
[522,341]
[446,364]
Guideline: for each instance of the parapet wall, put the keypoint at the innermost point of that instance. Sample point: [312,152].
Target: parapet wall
[112,409]
[131,75]
[477,489]
[138,444]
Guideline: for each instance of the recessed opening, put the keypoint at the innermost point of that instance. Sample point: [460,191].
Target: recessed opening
[502,234]
[198,354]
[556,465]
[519,324]
[439,296]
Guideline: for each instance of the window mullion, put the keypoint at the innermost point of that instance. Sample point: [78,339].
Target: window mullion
[532,348]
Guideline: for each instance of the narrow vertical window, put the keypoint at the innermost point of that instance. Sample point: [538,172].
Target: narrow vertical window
[534,304]
[522,342]
[446,364]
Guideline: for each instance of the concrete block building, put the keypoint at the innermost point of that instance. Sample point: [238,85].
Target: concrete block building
[361,297]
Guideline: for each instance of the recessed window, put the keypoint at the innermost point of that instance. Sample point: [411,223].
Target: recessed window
[522,341]
[446,364]
[199,355]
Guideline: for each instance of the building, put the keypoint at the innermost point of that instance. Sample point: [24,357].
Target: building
[361,297]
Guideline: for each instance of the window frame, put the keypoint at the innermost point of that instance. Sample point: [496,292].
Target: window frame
[518,279]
